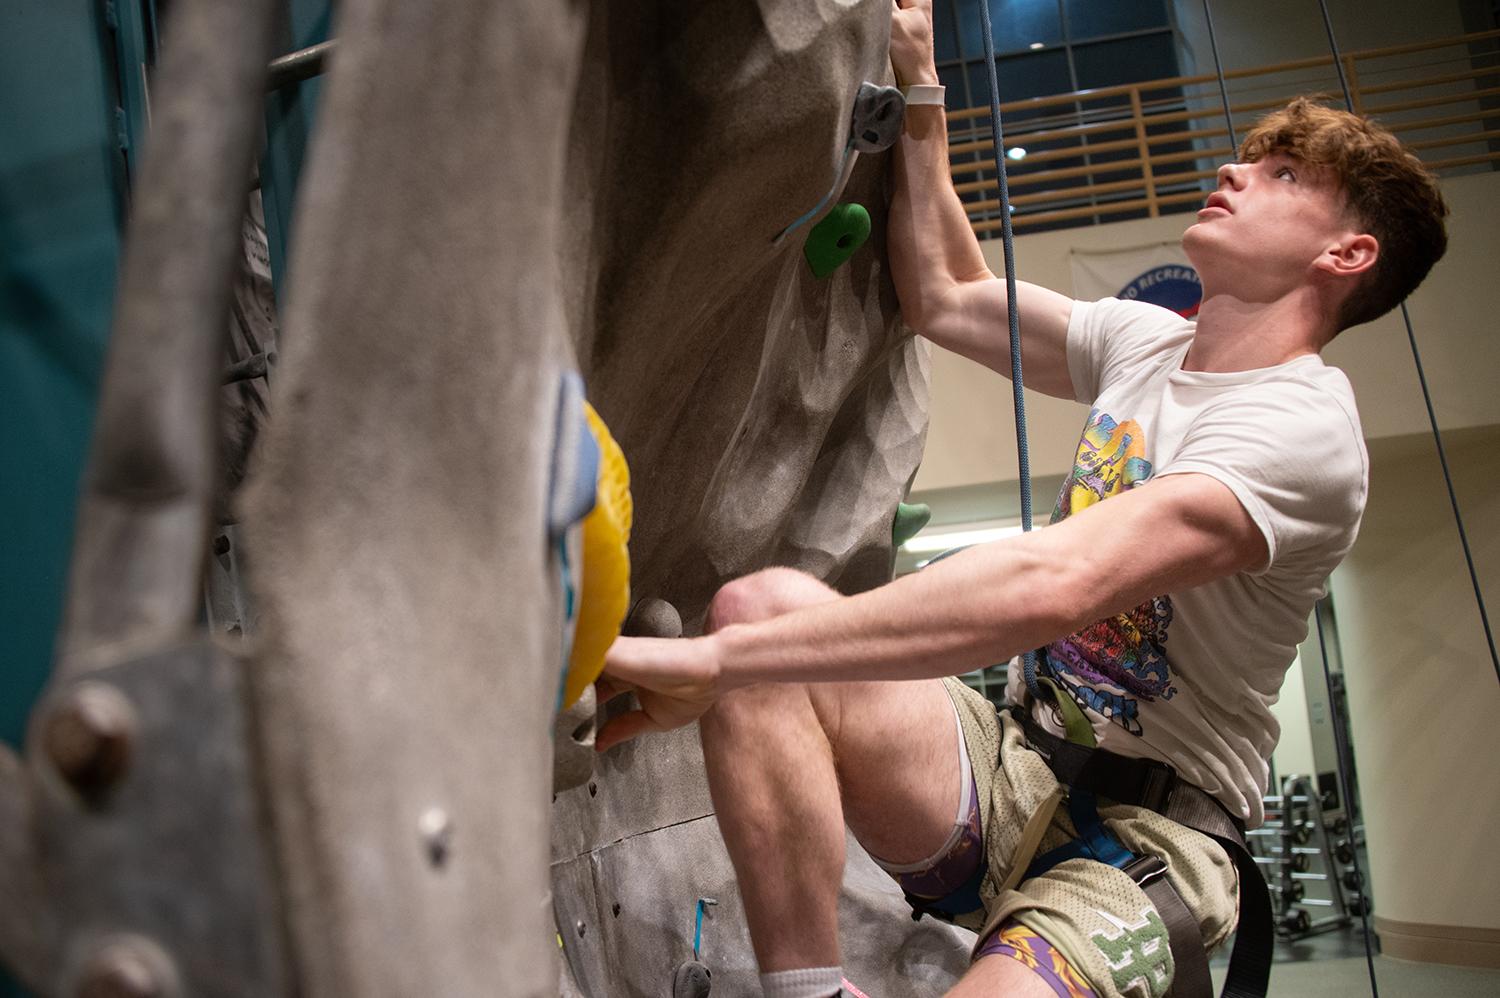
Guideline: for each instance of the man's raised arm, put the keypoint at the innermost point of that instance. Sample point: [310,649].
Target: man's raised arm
[947,292]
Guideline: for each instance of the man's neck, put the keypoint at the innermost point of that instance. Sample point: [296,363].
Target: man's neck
[1238,335]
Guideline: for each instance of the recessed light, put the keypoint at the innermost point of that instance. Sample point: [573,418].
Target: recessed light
[1015,152]
[1037,45]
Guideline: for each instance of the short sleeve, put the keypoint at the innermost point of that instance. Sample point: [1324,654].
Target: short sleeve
[1111,339]
[1294,457]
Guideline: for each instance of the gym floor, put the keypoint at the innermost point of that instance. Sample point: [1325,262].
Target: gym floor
[1332,965]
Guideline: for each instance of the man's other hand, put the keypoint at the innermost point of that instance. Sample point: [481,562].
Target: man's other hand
[911,42]
[675,679]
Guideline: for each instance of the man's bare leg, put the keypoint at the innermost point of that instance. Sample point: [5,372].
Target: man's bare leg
[991,976]
[789,764]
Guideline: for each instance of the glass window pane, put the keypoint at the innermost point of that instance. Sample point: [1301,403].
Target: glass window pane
[944,31]
[1035,74]
[1092,18]
[1127,60]
[1017,24]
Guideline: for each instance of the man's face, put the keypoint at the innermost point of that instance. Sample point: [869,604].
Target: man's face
[1259,235]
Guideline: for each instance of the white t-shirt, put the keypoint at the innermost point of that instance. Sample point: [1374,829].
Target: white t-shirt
[1189,677]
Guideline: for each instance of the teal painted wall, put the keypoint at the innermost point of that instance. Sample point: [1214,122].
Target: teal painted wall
[63,178]
[72,121]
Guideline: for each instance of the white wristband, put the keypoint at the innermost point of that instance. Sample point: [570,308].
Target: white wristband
[924,93]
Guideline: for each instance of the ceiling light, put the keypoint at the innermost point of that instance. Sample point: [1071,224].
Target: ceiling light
[1037,45]
[1015,152]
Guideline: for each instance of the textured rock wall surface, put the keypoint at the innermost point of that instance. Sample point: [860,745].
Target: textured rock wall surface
[770,418]
[408,659]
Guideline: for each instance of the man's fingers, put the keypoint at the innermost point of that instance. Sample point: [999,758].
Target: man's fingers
[606,689]
[623,728]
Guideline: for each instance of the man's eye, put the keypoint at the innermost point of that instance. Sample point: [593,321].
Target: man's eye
[1286,173]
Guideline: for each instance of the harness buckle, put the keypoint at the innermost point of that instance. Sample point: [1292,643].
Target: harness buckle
[1144,869]
[1157,784]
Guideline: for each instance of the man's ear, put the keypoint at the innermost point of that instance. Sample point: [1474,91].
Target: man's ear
[1350,256]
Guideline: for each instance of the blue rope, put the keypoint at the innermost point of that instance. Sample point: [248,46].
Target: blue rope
[1017,381]
[1416,356]
[1213,44]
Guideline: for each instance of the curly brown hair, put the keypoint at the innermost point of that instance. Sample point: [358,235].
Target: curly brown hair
[1392,194]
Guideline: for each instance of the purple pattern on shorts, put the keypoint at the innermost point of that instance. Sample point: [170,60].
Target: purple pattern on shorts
[954,868]
[1021,944]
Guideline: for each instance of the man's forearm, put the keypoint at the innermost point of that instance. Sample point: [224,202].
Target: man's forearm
[930,243]
[975,609]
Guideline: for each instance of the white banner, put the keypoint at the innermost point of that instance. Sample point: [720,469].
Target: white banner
[1158,273]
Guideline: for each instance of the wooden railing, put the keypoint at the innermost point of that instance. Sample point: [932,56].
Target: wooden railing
[1145,149]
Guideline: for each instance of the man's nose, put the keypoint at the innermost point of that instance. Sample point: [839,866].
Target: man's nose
[1232,175]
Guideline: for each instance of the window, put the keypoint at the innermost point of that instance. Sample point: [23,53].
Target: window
[1044,48]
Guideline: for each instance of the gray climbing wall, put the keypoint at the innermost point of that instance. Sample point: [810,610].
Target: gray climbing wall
[770,418]
[410,606]
[358,802]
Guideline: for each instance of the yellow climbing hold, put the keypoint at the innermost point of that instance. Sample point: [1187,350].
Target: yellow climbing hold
[605,595]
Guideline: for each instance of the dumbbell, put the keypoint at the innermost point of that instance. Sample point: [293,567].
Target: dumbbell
[1295,921]
[1359,905]
[1344,852]
[1353,880]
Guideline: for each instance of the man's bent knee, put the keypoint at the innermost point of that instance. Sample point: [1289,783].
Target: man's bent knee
[759,708]
[765,594]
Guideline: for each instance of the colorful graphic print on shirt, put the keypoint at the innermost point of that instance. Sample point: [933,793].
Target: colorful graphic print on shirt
[1114,664]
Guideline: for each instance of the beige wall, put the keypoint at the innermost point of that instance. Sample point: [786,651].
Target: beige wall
[1423,695]
[972,437]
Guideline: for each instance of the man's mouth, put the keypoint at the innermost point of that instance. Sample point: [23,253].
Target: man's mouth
[1217,200]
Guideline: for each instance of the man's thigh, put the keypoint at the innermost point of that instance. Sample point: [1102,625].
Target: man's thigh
[896,749]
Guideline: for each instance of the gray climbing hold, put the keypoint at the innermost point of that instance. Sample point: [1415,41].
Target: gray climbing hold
[653,618]
[878,114]
[691,980]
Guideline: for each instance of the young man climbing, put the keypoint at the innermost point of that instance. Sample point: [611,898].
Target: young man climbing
[1233,465]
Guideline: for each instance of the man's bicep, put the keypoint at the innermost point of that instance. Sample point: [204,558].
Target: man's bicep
[1173,533]
[974,321]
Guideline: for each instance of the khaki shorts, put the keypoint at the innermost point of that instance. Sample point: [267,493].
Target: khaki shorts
[1093,913]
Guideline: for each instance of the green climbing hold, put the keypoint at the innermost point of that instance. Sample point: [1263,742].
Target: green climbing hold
[834,240]
[910,519]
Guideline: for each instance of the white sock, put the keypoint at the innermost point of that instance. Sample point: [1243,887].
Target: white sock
[811,982]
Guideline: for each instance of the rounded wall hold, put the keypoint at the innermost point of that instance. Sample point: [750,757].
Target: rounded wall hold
[605,594]
[436,828]
[89,735]
[836,238]
[691,980]
[909,520]
[653,618]
[877,119]
[573,733]
[127,967]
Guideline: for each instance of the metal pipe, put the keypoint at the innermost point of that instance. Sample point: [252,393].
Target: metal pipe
[294,67]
